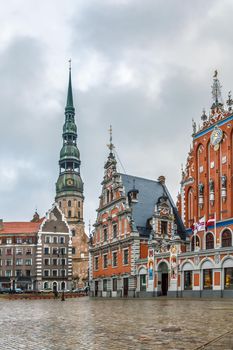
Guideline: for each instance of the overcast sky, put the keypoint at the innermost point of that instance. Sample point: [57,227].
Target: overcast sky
[145,67]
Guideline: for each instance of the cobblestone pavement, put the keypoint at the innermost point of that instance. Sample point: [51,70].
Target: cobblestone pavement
[83,324]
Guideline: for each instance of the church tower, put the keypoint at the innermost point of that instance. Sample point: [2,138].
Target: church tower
[69,191]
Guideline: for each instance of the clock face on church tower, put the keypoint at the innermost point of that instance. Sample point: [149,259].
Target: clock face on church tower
[69,182]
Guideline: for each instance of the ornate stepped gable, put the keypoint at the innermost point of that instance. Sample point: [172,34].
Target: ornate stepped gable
[132,211]
[202,191]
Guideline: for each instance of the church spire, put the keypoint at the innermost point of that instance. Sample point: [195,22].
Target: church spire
[69,101]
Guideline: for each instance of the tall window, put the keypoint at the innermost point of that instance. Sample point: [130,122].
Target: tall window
[209,241]
[96,262]
[126,257]
[105,234]
[164,227]
[114,228]
[226,238]
[228,278]
[73,233]
[69,213]
[69,203]
[105,261]
[207,279]
[190,206]
[188,279]
[195,240]
[114,259]
[73,250]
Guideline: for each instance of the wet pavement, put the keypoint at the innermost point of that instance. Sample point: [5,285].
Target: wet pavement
[83,324]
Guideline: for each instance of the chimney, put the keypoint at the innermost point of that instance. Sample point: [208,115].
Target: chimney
[1,224]
[161,179]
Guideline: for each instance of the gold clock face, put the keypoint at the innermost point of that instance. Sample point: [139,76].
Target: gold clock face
[69,182]
[216,137]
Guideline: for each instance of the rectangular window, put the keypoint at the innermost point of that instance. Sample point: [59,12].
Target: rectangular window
[46,273]
[62,240]
[63,262]
[105,234]
[55,251]
[18,273]
[8,251]
[55,240]
[8,262]
[54,273]
[54,261]
[228,278]
[46,250]
[105,284]
[18,240]
[105,261]
[19,262]
[28,251]
[63,273]
[73,233]
[9,241]
[29,240]
[47,239]
[46,262]
[114,284]
[0,262]
[28,273]
[207,279]
[188,278]
[126,257]
[19,251]
[0,251]
[114,229]
[28,262]
[114,259]
[62,251]
[8,273]
[164,227]
[96,262]
[73,250]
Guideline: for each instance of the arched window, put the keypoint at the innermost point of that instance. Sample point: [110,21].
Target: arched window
[190,206]
[108,196]
[59,204]
[193,242]
[69,214]
[209,241]
[226,238]
[69,203]
[79,204]
[78,214]
[46,285]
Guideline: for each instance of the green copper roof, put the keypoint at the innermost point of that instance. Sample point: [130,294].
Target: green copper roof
[69,151]
[69,101]
[69,183]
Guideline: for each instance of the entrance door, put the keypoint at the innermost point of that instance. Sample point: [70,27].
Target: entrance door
[96,288]
[125,286]
[54,287]
[164,283]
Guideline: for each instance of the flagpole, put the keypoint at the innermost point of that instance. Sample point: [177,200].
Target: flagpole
[194,231]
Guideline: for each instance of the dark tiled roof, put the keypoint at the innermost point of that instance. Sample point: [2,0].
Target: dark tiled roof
[149,193]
